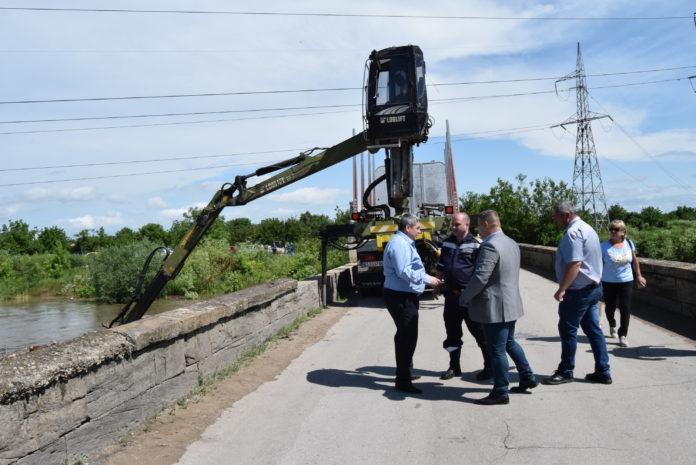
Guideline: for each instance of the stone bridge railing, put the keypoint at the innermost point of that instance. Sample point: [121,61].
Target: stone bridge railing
[77,398]
[671,285]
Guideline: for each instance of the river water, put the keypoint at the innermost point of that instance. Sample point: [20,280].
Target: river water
[23,324]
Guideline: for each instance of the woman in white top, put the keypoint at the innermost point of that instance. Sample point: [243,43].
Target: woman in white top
[620,267]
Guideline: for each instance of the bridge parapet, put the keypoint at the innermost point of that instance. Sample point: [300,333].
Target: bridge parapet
[671,285]
[78,397]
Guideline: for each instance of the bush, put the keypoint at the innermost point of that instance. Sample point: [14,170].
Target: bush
[113,271]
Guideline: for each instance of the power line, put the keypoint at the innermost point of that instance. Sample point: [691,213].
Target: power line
[198,157]
[150,160]
[640,83]
[175,123]
[552,78]
[165,96]
[328,89]
[194,113]
[92,178]
[654,159]
[349,15]
[677,181]
[443,100]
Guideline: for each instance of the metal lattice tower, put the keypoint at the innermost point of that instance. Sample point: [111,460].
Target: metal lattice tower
[587,178]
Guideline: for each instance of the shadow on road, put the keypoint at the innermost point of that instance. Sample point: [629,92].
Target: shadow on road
[654,353]
[582,339]
[374,378]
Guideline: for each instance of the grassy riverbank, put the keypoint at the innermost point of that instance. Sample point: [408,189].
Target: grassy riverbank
[109,274]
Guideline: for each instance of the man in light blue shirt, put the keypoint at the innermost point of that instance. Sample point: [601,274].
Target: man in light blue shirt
[404,279]
[578,271]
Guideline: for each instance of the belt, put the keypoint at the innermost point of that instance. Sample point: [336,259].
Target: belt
[589,287]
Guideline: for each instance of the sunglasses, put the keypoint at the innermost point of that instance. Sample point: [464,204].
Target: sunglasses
[614,229]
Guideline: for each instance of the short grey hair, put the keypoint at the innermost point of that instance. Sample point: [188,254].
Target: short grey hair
[564,206]
[407,220]
[489,216]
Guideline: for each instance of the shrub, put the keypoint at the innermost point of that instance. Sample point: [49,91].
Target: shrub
[113,270]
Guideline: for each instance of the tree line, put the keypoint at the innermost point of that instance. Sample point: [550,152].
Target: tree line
[18,238]
[526,210]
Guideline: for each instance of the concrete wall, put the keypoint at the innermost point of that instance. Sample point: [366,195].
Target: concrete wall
[671,285]
[78,397]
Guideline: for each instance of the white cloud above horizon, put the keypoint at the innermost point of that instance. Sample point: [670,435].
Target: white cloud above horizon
[314,53]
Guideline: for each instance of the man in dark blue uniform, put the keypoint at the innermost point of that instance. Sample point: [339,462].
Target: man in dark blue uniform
[456,266]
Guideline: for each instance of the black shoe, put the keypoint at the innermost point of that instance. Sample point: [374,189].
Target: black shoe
[408,388]
[484,374]
[557,378]
[451,373]
[524,385]
[491,399]
[598,378]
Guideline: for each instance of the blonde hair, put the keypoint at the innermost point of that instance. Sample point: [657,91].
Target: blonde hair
[620,225]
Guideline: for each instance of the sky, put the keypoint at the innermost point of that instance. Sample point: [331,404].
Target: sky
[647,154]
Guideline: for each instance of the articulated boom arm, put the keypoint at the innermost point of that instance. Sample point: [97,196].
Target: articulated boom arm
[232,195]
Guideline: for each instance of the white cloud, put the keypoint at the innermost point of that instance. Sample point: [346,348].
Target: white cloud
[156,202]
[283,212]
[294,53]
[177,213]
[7,210]
[311,196]
[64,195]
[92,222]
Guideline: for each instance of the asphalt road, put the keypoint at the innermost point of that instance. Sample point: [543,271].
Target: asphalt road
[335,404]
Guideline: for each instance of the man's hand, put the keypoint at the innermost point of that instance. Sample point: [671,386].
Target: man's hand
[435,281]
[559,295]
[642,282]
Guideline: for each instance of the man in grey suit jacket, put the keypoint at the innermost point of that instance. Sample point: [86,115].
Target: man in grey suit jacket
[493,298]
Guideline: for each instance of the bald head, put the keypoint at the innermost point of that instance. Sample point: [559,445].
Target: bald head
[460,225]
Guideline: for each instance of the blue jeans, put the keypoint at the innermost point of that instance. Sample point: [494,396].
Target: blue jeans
[579,309]
[500,341]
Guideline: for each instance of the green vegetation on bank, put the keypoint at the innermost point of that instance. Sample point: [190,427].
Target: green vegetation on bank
[104,267]
[98,265]
[526,210]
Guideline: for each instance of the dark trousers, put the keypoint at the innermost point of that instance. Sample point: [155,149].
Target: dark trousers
[403,308]
[579,309]
[453,316]
[500,338]
[618,294]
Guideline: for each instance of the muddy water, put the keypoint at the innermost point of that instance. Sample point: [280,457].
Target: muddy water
[23,324]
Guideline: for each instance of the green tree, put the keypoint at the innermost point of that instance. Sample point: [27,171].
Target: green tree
[239,230]
[653,216]
[125,236]
[525,209]
[473,203]
[685,213]
[154,233]
[617,212]
[17,238]
[271,230]
[52,239]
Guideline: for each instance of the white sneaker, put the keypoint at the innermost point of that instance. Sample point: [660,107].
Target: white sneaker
[623,342]
[612,331]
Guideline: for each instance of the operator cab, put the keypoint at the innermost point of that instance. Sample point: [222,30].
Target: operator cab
[396,101]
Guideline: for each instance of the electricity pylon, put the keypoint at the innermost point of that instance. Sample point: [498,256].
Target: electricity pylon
[587,178]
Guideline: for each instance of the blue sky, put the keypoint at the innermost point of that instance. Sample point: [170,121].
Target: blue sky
[48,55]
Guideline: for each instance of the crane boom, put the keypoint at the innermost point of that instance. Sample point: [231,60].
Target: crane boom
[236,194]
[396,118]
